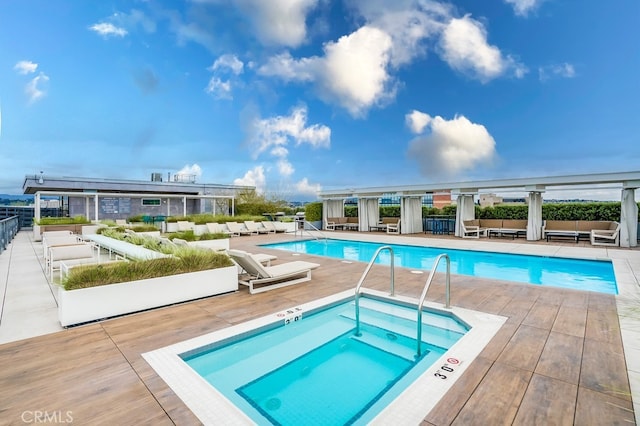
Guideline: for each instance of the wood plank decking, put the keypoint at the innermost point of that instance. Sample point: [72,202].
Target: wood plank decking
[557,360]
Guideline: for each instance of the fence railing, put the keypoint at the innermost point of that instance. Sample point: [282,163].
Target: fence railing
[8,229]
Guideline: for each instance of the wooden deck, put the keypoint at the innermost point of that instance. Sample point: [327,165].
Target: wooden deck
[557,360]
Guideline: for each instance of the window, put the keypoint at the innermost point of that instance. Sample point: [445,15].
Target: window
[151,201]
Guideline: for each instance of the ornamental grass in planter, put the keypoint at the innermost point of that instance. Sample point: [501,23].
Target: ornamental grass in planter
[184,260]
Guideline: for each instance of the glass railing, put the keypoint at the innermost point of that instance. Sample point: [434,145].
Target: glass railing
[8,229]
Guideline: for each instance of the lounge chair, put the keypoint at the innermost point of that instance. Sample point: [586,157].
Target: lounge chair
[269,227]
[217,228]
[238,229]
[271,277]
[471,229]
[255,228]
[393,228]
[276,226]
[262,258]
[184,225]
[606,237]
[180,242]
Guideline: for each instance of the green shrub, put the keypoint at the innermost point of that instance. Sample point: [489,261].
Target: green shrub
[76,220]
[313,211]
[143,228]
[351,211]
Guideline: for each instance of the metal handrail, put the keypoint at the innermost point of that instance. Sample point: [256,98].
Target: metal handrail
[9,227]
[364,275]
[304,223]
[424,295]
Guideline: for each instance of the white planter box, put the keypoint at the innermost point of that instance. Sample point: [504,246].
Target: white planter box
[172,227]
[221,244]
[88,304]
[37,236]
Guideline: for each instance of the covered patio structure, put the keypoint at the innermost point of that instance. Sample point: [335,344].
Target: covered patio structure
[411,195]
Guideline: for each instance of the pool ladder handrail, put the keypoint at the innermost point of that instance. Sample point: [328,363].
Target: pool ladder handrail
[364,275]
[447,297]
[303,230]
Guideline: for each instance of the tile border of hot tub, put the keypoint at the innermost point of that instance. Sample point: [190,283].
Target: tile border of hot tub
[411,406]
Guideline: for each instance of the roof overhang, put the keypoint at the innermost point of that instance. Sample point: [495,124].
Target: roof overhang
[537,184]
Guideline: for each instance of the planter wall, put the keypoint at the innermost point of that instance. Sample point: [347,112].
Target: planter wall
[89,304]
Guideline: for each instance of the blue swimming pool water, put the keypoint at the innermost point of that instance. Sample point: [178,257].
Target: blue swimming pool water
[317,371]
[577,274]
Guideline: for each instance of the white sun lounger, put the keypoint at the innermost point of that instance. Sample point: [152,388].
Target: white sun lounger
[255,227]
[271,277]
[238,229]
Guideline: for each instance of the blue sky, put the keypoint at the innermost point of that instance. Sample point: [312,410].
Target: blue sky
[295,96]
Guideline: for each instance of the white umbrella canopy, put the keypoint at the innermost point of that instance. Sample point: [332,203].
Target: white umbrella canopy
[534,224]
[628,219]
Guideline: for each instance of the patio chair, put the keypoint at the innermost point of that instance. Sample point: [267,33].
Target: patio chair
[471,229]
[393,228]
[217,228]
[275,225]
[238,229]
[270,277]
[606,237]
[255,228]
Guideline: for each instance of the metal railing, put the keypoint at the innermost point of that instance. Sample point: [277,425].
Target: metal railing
[364,275]
[424,295]
[303,230]
[8,229]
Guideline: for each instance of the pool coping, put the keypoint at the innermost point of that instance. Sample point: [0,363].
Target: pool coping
[211,407]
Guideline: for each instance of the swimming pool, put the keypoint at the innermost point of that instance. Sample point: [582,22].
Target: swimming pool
[306,364]
[591,275]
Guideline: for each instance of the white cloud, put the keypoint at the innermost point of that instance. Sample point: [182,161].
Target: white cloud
[107,29]
[254,177]
[465,48]
[228,61]
[285,168]
[287,68]
[306,188]
[409,23]
[278,22]
[452,146]
[417,121]
[565,70]
[190,170]
[352,73]
[34,89]
[25,67]
[276,134]
[279,131]
[523,7]
[219,89]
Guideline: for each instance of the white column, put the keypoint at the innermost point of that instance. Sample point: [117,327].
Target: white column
[95,206]
[36,211]
[534,222]
[184,206]
[628,218]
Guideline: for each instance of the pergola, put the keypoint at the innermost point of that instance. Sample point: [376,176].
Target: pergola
[411,195]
